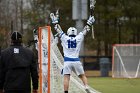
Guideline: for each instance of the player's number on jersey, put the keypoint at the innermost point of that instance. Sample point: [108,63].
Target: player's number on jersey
[72,43]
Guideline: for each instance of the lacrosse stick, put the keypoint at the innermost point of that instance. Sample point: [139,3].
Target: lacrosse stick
[92,5]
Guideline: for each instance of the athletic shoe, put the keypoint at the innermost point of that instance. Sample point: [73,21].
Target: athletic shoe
[87,90]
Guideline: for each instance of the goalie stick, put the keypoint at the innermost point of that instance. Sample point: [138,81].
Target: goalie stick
[92,5]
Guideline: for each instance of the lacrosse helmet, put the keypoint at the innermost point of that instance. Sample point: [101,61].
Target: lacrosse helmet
[72,31]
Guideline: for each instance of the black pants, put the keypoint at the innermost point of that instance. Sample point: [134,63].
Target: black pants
[17,91]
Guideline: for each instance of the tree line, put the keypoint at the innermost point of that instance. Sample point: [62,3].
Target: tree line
[117,21]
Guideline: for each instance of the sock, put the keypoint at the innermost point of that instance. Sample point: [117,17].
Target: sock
[66,91]
[86,87]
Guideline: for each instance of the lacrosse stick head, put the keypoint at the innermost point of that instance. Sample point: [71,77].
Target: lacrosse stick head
[57,13]
[92,4]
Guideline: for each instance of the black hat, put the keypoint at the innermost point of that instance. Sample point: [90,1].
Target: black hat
[16,37]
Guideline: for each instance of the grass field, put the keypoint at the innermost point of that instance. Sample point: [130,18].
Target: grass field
[111,85]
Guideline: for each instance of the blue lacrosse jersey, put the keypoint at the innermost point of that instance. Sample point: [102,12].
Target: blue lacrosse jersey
[71,46]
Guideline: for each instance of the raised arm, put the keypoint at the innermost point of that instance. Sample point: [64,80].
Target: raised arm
[90,22]
[55,22]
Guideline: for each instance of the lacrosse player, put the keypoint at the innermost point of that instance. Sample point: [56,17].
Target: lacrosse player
[71,43]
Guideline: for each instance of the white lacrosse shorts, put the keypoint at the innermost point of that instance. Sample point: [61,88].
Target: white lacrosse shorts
[75,66]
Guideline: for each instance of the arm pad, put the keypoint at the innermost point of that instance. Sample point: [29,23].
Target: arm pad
[86,29]
[58,28]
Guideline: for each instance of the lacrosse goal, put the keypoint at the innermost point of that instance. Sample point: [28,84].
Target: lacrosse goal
[51,64]
[126,61]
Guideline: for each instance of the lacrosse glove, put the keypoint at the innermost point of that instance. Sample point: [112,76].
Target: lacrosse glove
[90,21]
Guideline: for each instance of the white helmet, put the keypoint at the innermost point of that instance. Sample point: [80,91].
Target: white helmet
[72,31]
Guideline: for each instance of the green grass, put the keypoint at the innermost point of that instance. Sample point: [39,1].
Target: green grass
[111,85]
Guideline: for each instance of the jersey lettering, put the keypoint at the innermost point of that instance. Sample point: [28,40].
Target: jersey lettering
[72,43]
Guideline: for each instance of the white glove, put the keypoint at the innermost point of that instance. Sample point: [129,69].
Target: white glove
[91,20]
[54,18]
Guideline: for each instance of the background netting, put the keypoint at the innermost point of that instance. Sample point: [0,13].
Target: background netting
[126,61]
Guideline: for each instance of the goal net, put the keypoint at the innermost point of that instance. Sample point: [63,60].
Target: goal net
[51,64]
[126,61]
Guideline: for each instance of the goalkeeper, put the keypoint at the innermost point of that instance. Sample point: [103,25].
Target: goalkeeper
[71,44]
